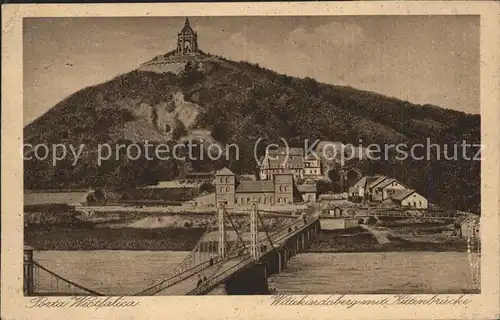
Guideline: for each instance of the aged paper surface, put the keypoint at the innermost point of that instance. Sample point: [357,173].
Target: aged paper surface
[285,160]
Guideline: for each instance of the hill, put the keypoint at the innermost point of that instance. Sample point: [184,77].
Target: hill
[240,102]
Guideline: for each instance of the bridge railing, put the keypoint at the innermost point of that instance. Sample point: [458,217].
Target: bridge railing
[177,278]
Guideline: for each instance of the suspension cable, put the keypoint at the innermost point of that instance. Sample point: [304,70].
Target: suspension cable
[265,230]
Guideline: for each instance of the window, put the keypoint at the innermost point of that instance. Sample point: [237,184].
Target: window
[248,199]
[285,200]
[279,200]
[259,200]
[227,180]
[265,200]
[420,204]
[285,188]
[221,189]
[227,189]
[281,189]
[235,200]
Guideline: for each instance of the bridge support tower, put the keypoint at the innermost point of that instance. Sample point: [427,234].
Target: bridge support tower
[254,233]
[29,283]
[222,233]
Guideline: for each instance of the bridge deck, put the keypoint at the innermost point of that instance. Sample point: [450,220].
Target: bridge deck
[220,271]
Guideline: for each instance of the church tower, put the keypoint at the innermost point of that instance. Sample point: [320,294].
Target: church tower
[187,41]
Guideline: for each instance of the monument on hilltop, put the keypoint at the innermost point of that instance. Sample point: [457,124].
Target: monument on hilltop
[175,60]
[187,41]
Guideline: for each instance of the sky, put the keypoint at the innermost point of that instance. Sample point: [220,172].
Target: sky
[422,59]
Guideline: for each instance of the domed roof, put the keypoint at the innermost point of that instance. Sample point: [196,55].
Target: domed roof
[187,29]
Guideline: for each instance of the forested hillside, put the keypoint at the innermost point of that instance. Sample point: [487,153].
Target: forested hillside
[240,103]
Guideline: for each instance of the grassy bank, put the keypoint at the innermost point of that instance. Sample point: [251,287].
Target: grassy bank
[88,238]
[359,240]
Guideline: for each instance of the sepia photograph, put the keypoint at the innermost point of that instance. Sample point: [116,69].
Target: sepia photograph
[250,160]
[251,155]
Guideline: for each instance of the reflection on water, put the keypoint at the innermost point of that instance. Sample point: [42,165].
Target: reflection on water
[128,272]
[374,272]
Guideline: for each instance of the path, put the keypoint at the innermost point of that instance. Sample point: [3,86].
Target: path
[379,234]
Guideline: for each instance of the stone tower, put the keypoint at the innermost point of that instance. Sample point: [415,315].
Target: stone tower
[187,41]
[225,183]
[283,188]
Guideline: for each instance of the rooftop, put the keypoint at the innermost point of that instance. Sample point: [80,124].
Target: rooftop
[224,172]
[289,151]
[307,187]
[366,180]
[187,30]
[377,181]
[400,195]
[386,182]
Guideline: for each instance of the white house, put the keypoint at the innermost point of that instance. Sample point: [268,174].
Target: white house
[409,198]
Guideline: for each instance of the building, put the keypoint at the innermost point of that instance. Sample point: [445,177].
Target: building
[187,41]
[358,192]
[283,160]
[308,191]
[225,186]
[468,227]
[312,166]
[409,198]
[372,193]
[277,191]
[387,188]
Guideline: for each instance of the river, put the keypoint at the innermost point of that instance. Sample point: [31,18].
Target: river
[128,272]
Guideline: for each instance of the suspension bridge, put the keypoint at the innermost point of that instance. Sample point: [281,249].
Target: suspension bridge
[237,253]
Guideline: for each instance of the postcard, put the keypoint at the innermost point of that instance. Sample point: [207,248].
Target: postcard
[250,160]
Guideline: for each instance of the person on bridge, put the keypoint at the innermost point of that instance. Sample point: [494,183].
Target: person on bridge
[200,281]
[205,279]
[211,262]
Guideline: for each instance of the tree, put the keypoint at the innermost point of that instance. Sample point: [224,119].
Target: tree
[179,129]
[207,187]
[323,187]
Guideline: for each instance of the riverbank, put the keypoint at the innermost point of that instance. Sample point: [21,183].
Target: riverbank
[181,232]
[364,240]
[184,239]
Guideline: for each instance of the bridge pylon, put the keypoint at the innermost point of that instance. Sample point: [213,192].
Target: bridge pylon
[222,233]
[254,233]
